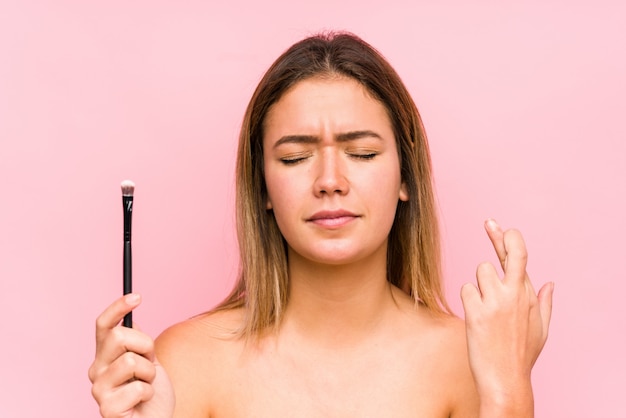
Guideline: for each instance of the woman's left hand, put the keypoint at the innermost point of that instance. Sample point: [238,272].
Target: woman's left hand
[507,327]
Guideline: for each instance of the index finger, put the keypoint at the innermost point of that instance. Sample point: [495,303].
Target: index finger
[114,313]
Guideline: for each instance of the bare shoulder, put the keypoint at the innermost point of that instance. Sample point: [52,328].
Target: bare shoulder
[209,328]
[440,331]
[197,355]
[450,350]
[438,344]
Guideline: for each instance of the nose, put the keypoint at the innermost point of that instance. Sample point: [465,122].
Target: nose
[331,174]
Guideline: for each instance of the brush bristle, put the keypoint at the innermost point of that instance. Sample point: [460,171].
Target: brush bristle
[128,188]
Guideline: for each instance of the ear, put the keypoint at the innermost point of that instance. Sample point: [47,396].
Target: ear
[268,204]
[404,193]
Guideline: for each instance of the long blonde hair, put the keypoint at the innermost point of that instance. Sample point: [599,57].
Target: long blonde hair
[413,255]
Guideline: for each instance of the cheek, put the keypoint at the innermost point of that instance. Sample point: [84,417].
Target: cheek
[281,203]
[383,193]
[388,184]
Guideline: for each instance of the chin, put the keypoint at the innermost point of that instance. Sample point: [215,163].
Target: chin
[339,255]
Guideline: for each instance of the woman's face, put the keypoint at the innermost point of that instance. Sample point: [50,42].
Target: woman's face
[332,171]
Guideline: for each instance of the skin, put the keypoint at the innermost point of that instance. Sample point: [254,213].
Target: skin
[349,344]
[330,147]
[502,361]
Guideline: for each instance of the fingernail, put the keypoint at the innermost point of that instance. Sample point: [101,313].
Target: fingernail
[492,224]
[132,298]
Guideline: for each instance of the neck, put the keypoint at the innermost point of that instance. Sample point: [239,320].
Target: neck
[337,304]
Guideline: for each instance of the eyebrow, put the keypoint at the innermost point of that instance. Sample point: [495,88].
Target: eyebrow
[312,139]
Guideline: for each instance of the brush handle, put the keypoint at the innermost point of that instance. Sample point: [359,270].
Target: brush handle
[127,201]
[128,280]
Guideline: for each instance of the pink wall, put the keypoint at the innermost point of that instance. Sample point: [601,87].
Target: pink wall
[524,104]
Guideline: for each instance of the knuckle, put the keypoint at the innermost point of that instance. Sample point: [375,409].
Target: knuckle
[98,323]
[140,390]
[151,374]
[149,392]
[145,344]
[92,373]
[129,361]
[96,392]
[107,411]
[110,403]
[523,255]
[117,335]
[484,264]
[467,289]
[484,268]
[101,322]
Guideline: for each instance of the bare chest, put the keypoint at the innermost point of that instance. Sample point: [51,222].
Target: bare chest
[329,386]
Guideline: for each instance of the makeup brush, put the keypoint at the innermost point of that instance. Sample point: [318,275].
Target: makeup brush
[128,188]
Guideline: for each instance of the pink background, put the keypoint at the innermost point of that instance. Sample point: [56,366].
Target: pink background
[523,102]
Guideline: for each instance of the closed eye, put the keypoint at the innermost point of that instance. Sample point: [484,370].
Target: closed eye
[293,160]
[365,156]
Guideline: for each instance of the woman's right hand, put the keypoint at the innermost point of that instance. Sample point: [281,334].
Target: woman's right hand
[127,379]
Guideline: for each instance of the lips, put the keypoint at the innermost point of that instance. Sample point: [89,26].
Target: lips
[332,218]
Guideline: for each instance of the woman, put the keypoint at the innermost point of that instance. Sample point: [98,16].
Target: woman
[338,310]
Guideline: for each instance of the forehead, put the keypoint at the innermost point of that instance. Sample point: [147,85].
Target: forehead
[331,104]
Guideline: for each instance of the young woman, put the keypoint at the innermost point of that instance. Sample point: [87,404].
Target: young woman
[338,310]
